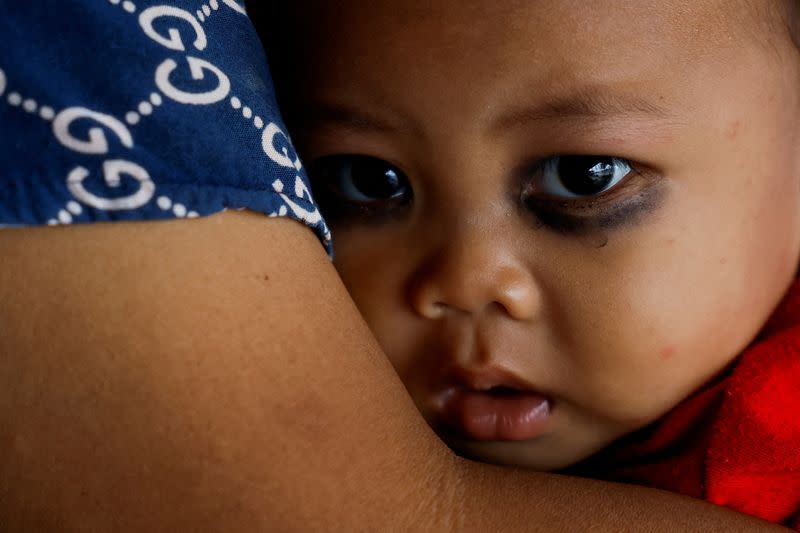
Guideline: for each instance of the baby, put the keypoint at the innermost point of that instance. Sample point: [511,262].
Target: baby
[566,222]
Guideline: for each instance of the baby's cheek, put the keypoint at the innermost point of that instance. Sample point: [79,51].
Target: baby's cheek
[667,353]
[658,361]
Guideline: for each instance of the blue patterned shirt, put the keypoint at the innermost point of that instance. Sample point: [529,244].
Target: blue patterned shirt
[116,110]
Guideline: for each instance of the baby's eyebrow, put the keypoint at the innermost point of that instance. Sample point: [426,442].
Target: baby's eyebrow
[585,103]
[351,118]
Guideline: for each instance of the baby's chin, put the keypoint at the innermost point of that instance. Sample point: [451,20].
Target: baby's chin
[546,453]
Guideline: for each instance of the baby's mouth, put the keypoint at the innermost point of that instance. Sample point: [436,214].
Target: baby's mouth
[476,409]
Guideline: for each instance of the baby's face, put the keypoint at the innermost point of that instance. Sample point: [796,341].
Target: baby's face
[559,217]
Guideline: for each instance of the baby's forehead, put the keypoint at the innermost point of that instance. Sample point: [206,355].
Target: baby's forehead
[566,32]
[699,20]
[470,63]
[532,35]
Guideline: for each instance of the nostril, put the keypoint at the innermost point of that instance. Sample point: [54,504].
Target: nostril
[427,307]
[518,295]
[435,310]
[427,301]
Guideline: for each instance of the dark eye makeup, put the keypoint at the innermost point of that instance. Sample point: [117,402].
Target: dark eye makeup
[581,220]
[570,194]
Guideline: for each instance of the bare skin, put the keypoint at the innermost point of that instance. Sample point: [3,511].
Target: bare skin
[213,375]
[476,270]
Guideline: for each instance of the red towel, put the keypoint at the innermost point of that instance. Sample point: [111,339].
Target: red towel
[736,442]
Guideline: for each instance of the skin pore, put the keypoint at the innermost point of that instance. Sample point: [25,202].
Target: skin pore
[594,203]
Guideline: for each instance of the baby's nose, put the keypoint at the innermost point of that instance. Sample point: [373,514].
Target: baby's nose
[472,275]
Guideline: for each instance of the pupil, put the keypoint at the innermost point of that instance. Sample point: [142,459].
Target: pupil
[374,179]
[586,175]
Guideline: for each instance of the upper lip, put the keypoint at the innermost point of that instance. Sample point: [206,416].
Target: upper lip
[485,378]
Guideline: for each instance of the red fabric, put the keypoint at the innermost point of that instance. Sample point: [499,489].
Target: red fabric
[735,443]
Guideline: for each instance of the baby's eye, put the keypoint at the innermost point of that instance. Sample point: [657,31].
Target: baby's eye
[361,182]
[583,193]
[579,176]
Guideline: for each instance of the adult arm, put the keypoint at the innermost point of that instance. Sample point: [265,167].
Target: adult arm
[213,375]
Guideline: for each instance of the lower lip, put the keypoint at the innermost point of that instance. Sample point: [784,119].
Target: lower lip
[486,417]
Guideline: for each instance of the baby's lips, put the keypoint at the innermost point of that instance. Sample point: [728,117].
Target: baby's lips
[488,416]
[491,404]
